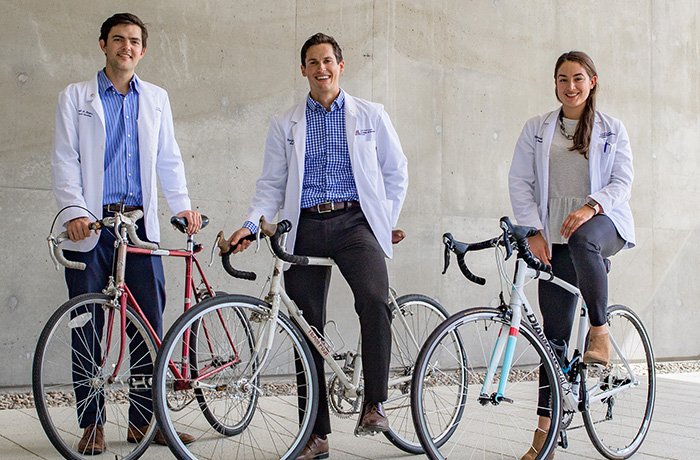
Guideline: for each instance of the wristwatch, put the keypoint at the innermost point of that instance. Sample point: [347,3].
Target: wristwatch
[593,204]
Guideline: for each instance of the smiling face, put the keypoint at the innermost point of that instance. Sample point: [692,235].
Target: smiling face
[323,71]
[123,49]
[573,87]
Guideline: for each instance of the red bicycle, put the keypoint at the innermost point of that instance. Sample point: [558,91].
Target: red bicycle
[101,345]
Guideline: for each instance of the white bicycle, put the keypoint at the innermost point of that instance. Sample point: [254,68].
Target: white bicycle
[262,392]
[495,382]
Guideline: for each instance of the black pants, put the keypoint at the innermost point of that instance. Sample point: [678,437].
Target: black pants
[580,262]
[346,237]
[146,281]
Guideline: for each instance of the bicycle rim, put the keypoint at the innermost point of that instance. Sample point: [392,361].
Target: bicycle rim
[207,333]
[621,402]
[417,316]
[447,386]
[72,358]
[266,416]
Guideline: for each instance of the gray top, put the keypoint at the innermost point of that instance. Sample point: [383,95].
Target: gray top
[569,180]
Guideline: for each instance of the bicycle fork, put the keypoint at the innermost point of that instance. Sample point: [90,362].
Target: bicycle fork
[504,348]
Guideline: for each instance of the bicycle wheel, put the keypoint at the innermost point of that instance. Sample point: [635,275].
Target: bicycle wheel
[415,316]
[262,406]
[445,384]
[77,353]
[204,336]
[621,396]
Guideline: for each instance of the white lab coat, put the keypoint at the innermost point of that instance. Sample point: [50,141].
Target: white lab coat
[609,163]
[78,156]
[378,163]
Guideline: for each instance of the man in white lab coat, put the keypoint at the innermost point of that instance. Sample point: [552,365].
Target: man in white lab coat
[113,138]
[335,168]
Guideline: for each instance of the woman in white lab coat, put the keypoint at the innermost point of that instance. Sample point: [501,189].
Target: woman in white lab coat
[571,177]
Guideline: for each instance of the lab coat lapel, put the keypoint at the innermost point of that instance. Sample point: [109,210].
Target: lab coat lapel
[298,137]
[594,151]
[350,127]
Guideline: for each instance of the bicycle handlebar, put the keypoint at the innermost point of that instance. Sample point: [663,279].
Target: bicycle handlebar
[226,251]
[274,232]
[128,219]
[517,234]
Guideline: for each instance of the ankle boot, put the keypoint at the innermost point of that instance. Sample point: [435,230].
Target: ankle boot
[598,351]
[536,447]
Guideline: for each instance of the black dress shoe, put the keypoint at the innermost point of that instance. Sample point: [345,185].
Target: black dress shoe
[373,419]
[316,448]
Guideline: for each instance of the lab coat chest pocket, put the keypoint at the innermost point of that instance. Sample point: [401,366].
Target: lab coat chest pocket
[366,149]
[606,150]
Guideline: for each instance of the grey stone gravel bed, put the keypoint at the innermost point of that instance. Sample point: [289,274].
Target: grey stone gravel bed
[18,399]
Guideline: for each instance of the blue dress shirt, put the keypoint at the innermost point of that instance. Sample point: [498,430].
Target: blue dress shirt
[122,178]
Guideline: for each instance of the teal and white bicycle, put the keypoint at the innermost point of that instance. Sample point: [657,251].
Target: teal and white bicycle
[507,359]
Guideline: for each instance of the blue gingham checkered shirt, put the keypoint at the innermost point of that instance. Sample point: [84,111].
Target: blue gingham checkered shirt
[327,169]
[122,177]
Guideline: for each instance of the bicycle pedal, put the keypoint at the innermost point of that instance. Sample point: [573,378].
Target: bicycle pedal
[359,432]
[563,439]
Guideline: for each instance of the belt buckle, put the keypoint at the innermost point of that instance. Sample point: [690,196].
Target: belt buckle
[332,207]
[113,207]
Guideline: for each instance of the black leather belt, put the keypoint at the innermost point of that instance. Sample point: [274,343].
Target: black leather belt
[118,207]
[330,206]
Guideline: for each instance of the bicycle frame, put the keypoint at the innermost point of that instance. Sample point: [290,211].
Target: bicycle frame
[277,297]
[118,288]
[575,396]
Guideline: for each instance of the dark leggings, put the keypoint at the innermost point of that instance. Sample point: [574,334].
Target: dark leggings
[581,263]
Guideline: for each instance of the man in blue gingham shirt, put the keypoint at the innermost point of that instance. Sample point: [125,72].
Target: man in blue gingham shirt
[334,167]
[327,169]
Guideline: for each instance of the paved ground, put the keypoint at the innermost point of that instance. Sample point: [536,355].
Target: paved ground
[675,432]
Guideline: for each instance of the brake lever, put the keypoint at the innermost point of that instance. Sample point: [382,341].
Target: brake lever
[52,242]
[214,246]
[507,244]
[447,241]
[257,239]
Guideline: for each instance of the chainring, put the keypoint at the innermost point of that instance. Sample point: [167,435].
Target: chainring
[341,405]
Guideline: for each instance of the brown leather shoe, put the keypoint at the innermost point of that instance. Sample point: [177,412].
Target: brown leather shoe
[93,440]
[316,448]
[136,434]
[373,419]
[598,351]
[537,444]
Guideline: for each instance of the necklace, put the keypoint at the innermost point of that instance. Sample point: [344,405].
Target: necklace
[562,128]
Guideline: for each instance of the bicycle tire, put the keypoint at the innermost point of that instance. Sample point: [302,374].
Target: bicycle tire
[198,365]
[276,427]
[53,383]
[420,315]
[445,384]
[618,424]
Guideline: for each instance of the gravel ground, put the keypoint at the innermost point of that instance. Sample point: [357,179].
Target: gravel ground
[16,399]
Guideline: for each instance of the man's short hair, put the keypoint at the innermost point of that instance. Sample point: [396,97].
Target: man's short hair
[123,18]
[318,39]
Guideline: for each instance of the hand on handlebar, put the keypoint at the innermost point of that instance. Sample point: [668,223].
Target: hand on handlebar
[194,220]
[238,240]
[397,236]
[78,229]
[540,248]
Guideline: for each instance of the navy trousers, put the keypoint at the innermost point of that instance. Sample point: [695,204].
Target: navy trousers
[146,281]
[346,237]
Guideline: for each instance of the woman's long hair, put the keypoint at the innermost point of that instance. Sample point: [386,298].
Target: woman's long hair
[582,136]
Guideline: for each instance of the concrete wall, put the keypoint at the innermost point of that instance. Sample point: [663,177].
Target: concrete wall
[459,79]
